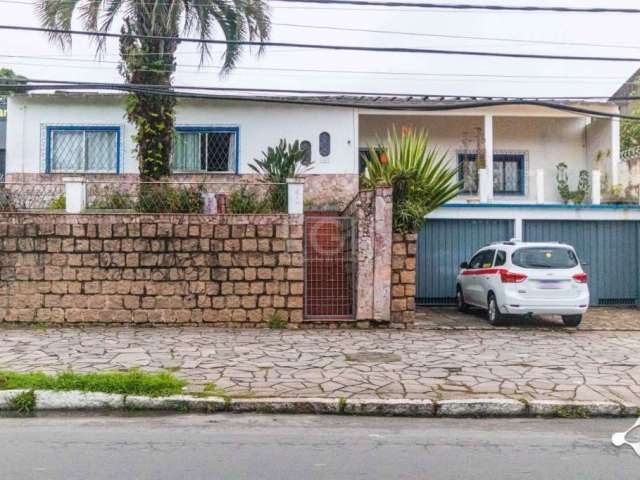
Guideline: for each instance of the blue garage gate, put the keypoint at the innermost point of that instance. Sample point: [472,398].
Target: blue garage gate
[608,248]
[442,246]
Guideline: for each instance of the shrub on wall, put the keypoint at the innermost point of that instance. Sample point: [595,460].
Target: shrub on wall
[277,165]
[421,178]
[166,198]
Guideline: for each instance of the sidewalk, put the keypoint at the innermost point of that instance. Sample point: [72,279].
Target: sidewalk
[413,364]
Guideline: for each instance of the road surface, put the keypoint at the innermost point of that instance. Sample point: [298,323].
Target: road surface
[228,446]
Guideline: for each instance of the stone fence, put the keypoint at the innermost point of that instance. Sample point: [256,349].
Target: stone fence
[192,269]
[137,269]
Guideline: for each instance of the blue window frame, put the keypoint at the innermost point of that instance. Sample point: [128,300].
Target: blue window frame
[206,149]
[82,148]
[508,173]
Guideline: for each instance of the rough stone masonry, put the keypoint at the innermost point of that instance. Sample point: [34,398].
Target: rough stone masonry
[164,269]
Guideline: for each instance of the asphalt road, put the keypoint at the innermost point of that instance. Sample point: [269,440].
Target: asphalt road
[311,447]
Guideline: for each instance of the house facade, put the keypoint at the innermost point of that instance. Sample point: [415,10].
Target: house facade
[510,155]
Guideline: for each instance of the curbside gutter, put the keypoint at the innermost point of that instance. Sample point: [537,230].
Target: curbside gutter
[70,401]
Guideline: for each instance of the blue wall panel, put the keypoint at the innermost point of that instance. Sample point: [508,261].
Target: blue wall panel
[443,245]
[609,249]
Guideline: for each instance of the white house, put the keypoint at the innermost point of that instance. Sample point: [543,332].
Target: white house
[508,151]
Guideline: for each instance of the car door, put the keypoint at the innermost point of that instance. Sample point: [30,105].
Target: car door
[469,281]
[486,274]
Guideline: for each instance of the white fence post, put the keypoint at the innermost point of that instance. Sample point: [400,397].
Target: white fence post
[295,196]
[74,194]
[483,188]
[595,187]
[540,185]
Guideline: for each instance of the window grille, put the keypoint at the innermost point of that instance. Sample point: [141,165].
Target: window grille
[508,173]
[325,144]
[205,150]
[305,146]
[83,149]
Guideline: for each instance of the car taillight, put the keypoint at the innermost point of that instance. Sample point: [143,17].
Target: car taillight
[581,277]
[511,277]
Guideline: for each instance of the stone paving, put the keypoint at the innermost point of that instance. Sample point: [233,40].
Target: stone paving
[601,318]
[424,362]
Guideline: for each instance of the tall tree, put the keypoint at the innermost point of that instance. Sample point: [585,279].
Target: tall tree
[146,60]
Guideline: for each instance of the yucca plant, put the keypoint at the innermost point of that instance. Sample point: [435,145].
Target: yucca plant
[420,176]
[277,164]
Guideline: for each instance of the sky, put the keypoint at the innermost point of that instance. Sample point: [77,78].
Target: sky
[602,34]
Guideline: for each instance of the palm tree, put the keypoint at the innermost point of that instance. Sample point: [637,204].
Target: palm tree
[151,61]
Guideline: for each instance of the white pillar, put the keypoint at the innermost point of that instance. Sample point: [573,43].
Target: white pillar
[540,185]
[595,187]
[295,196]
[615,150]
[74,194]
[517,228]
[488,149]
[483,189]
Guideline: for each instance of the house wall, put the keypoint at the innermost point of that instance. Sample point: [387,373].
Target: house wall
[545,140]
[261,125]
[599,139]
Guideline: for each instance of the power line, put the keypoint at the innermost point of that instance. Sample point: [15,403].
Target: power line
[448,76]
[327,47]
[430,6]
[459,105]
[457,37]
[461,6]
[414,95]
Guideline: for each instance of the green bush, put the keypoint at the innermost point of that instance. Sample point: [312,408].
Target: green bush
[6,201]
[247,201]
[421,179]
[58,203]
[112,200]
[166,198]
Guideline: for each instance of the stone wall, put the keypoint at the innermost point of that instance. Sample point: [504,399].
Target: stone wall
[148,269]
[403,279]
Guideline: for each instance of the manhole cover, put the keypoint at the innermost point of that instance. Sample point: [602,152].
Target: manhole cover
[372,357]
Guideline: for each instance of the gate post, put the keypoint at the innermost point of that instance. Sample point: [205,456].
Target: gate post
[382,246]
[295,196]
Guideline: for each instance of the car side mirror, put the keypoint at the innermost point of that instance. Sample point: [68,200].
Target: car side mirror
[464,265]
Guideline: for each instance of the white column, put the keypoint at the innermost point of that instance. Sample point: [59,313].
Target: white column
[595,187]
[295,196]
[488,149]
[540,185]
[517,228]
[483,188]
[615,150]
[74,194]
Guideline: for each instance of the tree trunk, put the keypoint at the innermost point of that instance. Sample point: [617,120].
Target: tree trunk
[150,63]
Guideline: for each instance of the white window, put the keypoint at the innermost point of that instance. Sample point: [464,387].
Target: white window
[202,149]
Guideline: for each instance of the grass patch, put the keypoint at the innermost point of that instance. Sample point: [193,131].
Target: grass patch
[24,403]
[132,382]
[571,412]
[342,404]
[277,321]
[39,327]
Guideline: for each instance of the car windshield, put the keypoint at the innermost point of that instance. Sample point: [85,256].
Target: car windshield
[544,257]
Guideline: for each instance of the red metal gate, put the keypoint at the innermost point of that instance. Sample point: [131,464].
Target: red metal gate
[330,266]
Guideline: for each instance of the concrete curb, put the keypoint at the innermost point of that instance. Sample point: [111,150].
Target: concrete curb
[70,401]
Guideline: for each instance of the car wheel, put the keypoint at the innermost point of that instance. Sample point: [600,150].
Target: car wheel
[493,312]
[571,320]
[460,303]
